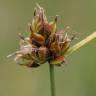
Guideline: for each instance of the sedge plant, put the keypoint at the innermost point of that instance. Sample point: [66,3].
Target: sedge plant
[46,44]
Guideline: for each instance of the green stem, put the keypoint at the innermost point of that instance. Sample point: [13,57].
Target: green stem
[80,44]
[52,79]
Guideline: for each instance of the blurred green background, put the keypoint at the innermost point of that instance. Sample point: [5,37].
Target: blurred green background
[76,78]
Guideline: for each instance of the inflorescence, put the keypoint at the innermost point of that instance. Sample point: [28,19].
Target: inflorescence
[44,44]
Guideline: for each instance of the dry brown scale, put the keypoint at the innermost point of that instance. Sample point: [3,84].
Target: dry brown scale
[44,44]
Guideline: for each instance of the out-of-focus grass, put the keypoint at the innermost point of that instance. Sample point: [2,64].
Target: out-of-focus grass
[77,78]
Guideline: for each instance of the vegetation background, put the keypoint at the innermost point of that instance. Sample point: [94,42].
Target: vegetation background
[76,78]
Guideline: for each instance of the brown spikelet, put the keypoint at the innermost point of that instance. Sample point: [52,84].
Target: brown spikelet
[44,44]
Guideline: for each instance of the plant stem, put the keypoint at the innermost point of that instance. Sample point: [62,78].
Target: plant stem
[52,79]
[81,44]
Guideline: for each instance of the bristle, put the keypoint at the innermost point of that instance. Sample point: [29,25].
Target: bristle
[56,18]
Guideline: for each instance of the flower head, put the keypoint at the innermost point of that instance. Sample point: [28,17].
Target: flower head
[44,44]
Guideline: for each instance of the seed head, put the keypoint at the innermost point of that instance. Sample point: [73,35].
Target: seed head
[44,44]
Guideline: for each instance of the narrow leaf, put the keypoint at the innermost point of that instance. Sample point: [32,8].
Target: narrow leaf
[80,44]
